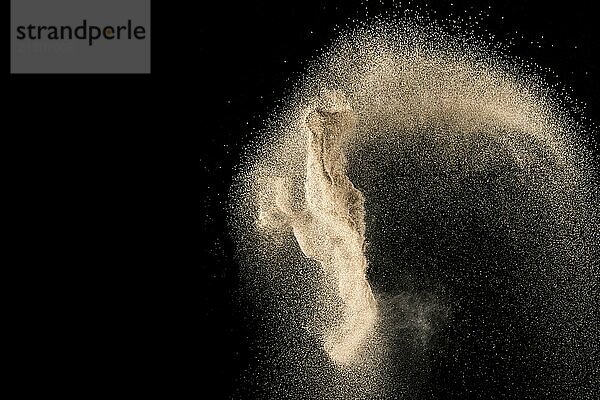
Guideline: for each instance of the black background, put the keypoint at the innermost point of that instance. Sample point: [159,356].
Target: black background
[120,183]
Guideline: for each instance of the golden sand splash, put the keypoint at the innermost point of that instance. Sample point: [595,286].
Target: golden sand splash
[398,90]
[330,227]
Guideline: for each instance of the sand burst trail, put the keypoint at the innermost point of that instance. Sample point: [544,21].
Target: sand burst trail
[331,228]
[457,120]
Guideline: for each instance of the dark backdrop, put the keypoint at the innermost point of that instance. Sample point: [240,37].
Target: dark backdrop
[118,184]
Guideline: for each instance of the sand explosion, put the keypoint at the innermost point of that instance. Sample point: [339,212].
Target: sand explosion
[457,117]
[330,227]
